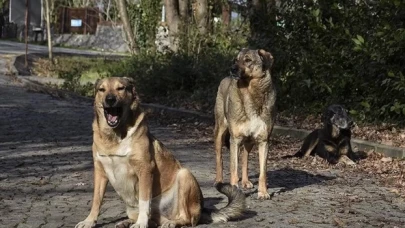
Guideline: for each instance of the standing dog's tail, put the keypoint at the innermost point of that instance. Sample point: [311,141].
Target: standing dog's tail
[234,209]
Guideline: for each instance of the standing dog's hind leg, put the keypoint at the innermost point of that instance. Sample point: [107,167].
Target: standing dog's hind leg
[263,151]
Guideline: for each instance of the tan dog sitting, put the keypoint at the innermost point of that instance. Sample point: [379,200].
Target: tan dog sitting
[244,115]
[151,182]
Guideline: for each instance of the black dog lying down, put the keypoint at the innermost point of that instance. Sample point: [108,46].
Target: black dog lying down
[332,142]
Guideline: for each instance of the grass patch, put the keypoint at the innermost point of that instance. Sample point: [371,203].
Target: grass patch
[88,67]
[79,72]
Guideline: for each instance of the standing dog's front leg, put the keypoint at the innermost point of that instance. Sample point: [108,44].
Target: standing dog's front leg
[145,196]
[263,151]
[234,152]
[100,183]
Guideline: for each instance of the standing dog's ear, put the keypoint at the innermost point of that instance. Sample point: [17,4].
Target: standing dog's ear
[241,53]
[234,68]
[267,58]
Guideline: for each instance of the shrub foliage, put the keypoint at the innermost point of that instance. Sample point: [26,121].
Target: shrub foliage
[326,51]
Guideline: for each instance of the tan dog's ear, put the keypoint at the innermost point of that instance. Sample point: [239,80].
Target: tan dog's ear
[131,86]
[267,58]
[96,85]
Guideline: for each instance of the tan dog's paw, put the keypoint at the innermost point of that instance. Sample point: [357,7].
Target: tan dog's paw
[139,226]
[247,184]
[263,196]
[86,224]
[124,223]
[168,224]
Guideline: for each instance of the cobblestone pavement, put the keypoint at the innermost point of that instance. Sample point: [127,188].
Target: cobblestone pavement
[46,175]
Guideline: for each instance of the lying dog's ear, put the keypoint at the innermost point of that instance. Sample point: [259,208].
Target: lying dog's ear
[267,58]
[327,116]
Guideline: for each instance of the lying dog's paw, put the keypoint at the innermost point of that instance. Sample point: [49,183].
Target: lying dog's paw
[346,160]
[86,224]
[168,224]
[125,223]
[263,196]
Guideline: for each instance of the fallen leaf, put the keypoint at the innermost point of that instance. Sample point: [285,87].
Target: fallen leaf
[386,159]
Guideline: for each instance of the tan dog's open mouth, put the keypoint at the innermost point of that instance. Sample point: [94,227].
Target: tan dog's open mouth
[113,116]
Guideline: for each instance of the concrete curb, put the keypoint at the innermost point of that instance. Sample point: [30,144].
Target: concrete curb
[389,151]
[7,65]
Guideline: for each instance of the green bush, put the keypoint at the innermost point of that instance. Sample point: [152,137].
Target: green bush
[340,52]
[188,78]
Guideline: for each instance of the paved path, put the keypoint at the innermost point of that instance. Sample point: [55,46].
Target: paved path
[46,174]
[17,48]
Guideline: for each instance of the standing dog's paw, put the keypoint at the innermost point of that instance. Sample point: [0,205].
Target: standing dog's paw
[263,196]
[247,184]
[168,224]
[86,224]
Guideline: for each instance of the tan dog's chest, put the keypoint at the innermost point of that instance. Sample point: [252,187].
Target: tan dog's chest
[120,173]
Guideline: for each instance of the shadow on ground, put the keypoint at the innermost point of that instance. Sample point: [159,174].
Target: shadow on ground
[287,179]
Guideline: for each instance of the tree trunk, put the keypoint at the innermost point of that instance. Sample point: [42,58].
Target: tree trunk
[201,16]
[260,15]
[27,24]
[226,15]
[48,29]
[173,22]
[184,10]
[122,8]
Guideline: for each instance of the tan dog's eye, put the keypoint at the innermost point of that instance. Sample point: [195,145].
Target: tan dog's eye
[101,90]
[121,88]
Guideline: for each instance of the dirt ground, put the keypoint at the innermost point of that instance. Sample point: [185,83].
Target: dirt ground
[46,173]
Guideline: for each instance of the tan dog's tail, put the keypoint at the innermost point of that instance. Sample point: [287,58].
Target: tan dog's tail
[234,209]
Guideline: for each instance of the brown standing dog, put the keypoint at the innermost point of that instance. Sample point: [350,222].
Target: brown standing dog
[152,183]
[245,111]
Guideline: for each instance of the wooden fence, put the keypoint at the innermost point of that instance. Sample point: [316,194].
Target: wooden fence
[78,20]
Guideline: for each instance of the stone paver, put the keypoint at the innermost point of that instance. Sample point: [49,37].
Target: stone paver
[46,175]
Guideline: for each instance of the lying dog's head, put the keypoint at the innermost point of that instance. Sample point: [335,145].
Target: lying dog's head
[337,116]
[252,64]
[115,98]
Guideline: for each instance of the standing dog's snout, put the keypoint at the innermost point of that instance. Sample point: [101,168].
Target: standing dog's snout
[110,99]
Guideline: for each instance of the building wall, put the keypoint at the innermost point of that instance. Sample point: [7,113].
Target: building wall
[17,12]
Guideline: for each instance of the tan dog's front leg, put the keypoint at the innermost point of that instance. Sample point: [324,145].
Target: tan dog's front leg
[263,151]
[145,197]
[234,152]
[100,183]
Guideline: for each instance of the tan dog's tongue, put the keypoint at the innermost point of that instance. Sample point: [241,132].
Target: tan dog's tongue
[112,118]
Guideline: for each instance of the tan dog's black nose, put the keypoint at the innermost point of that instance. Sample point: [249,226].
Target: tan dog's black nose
[110,100]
